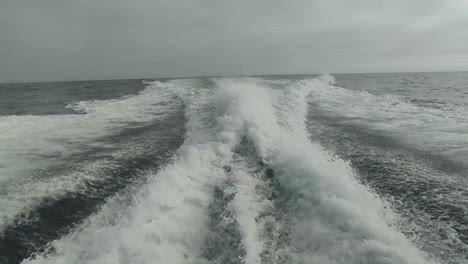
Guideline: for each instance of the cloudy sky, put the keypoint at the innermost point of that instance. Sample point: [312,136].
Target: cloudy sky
[44,40]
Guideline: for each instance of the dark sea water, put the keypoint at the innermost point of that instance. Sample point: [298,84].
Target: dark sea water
[351,168]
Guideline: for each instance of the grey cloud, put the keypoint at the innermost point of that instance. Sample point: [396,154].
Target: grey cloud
[100,39]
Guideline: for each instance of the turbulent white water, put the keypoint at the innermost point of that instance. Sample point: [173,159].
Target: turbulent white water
[321,214]
[438,128]
[30,145]
[409,149]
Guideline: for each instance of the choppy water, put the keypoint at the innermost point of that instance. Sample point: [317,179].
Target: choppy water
[370,168]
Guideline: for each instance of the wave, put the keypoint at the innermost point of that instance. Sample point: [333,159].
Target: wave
[296,204]
[435,129]
[334,218]
[44,157]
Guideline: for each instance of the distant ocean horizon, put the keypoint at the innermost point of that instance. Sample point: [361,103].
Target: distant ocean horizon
[221,76]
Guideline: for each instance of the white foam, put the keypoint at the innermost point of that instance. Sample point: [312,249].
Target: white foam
[436,129]
[332,218]
[246,206]
[29,139]
[167,222]
[31,144]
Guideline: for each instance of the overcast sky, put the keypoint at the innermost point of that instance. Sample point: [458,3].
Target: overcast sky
[43,40]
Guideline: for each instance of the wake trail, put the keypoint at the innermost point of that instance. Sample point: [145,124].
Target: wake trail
[55,213]
[246,186]
[333,218]
[43,158]
[166,223]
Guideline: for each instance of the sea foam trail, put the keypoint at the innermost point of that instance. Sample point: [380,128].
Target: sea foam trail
[247,206]
[167,222]
[31,145]
[436,129]
[29,140]
[331,218]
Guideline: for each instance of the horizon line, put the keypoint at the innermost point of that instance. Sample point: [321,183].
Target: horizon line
[227,76]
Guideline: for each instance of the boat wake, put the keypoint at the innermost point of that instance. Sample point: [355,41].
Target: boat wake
[246,186]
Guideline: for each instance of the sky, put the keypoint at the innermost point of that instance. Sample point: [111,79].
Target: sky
[54,40]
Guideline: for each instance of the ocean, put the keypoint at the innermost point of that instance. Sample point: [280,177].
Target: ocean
[350,168]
